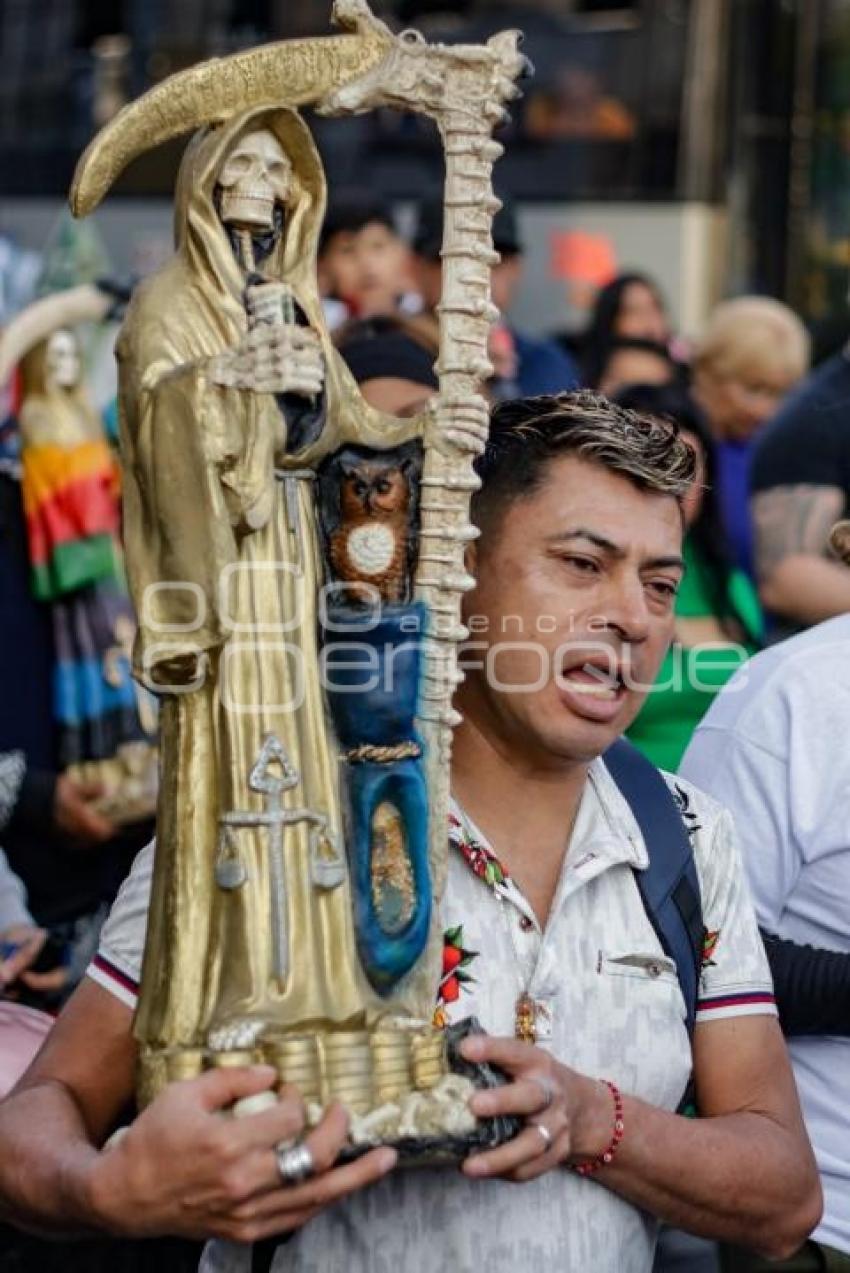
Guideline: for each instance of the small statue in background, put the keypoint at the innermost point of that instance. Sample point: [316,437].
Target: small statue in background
[70,481]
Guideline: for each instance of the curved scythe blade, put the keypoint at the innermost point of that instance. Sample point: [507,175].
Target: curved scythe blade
[286,73]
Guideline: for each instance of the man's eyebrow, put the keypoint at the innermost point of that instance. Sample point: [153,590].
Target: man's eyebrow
[614,550]
[580,532]
[654,563]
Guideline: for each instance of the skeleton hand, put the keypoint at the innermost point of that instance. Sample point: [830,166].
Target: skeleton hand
[465,422]
[279,358]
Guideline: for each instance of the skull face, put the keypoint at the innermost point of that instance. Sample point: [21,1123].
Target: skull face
[255,175]
[63,360]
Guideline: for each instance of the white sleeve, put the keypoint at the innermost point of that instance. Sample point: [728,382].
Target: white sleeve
[735,978]
[753,782]
[117,966]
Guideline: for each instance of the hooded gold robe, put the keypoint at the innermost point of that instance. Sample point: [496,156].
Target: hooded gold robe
[225,569]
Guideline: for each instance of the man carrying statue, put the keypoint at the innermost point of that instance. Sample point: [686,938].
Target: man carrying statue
[303,876]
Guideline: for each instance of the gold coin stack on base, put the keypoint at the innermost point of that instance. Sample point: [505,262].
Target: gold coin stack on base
[347,1070]
[185,1063]
[429,1059]
[232,1060]
[391,1065]
[296,1059]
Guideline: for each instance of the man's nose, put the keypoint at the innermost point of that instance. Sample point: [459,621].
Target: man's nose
[626,610]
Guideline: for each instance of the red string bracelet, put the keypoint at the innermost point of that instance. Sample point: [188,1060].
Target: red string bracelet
[607,1156]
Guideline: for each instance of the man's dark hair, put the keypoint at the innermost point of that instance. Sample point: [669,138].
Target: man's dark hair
[526,434]
[351,211]
[387,345]
[669,402]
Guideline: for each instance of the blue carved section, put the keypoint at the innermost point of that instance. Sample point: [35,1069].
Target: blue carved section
[386,955]
[372,667]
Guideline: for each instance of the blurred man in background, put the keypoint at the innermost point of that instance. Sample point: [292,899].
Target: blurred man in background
[525,366]
[363,263]
[800,487]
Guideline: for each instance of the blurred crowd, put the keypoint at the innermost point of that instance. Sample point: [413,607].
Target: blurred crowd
[773,477]
[771,482]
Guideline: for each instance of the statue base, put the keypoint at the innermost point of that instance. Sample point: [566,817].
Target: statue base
[437,1127]
[404,1084]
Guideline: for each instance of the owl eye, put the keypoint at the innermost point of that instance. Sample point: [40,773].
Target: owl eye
[383,486]
[359,486]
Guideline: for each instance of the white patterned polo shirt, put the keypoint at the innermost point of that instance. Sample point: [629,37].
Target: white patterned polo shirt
[612,1007]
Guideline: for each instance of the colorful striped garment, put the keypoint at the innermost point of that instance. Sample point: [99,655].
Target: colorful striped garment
[71,506]
[71,503]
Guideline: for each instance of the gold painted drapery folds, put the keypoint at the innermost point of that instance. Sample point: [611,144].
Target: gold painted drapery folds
[226,575]
[252,944]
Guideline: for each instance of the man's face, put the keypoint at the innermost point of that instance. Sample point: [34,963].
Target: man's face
[368,269]
[738,406]
[396,396]
[573,613]
[641,315]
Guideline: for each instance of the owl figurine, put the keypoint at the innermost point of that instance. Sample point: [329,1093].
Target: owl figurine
[370,543]
[368,508]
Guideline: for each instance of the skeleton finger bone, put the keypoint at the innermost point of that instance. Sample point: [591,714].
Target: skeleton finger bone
[471,442]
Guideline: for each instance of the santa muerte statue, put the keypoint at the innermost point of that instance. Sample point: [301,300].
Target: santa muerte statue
[297,561]
[70,484]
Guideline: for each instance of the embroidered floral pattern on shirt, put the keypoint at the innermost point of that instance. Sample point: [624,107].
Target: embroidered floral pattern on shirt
[709,945]
[689,816]
[482,860]
[456,977]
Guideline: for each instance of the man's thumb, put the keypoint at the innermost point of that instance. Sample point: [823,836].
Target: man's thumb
[221,1087]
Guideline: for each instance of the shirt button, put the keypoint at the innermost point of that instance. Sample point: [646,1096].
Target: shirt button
[654,970]
[525,923]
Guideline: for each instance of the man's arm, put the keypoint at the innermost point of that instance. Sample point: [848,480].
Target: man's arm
[791,526]
[62,1109]
[743,1172]
[812,987]
[181,1168]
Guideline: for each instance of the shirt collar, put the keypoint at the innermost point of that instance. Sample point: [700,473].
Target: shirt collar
[606,833]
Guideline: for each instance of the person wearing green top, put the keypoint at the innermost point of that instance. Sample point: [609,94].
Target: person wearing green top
[718,619]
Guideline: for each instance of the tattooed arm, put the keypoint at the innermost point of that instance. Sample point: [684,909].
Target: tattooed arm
[798,579]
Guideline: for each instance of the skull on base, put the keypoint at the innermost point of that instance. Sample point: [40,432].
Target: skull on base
[254,177]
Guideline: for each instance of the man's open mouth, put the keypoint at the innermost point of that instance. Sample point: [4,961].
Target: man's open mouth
[594,680]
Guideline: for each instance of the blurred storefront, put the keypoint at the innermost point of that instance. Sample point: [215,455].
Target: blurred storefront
[705,141]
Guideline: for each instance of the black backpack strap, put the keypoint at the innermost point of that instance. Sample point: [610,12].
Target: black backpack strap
[669,887]
[263,1253]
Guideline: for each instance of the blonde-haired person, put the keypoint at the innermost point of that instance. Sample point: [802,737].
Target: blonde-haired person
[751,352]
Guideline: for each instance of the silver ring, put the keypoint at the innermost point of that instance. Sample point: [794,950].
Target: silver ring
[295,1163]
[545,1133]
[547,1090]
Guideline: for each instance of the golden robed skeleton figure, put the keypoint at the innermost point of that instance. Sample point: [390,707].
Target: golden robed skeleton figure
[226,574]
[296,860]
